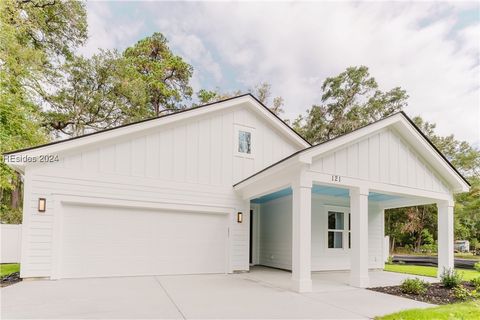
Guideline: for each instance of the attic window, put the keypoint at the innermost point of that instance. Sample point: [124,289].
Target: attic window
[244,142]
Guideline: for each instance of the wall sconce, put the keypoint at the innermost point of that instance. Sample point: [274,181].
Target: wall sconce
[239,217]
[42,204]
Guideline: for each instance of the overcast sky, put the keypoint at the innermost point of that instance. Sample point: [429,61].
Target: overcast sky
[430,49]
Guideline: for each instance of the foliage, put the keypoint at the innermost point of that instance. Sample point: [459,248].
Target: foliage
[389,260]
[462,293]
[465,311]
[165,76]
[476,283]
[414,286]
[10,215]
[349,101]
[476,266]
[450,278]
[8,268]
[261,91]
[93,94]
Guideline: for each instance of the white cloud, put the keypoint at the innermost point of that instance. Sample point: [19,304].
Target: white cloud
[106,32]
[295,46]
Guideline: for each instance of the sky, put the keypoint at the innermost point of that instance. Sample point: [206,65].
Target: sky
[430,49]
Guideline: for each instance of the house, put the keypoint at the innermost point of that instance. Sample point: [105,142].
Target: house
[222,187]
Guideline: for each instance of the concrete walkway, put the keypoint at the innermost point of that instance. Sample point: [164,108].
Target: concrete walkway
[262,293]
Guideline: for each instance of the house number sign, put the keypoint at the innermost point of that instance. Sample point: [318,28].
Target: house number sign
[336,178]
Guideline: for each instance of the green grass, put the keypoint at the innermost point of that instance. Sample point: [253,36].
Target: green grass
[463,311]
[8,268]
[428,271]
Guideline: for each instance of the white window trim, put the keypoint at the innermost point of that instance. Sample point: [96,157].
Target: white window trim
[345,231]
[237,129]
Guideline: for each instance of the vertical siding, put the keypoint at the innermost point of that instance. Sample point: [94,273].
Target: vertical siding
[382,157]
[191,162]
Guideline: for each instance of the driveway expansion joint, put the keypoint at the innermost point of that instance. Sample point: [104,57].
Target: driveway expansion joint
[170,298]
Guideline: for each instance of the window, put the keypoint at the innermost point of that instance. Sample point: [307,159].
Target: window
[244,142]
[335,229]
[339,226]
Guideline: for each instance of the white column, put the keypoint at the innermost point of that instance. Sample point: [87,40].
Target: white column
[445,236]
[359,230]
[301,235]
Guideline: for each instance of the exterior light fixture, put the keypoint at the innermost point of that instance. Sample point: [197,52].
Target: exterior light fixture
[42,204]
[239,217]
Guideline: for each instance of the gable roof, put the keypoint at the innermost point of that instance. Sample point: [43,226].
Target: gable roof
[93,137]
[403,124]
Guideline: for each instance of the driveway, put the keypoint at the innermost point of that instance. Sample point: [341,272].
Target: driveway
[262,293]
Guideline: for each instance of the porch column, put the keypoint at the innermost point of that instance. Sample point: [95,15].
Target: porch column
[445,236]
[301,235]
[359,233]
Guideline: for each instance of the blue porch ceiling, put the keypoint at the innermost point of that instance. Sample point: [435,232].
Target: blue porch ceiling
[325,190]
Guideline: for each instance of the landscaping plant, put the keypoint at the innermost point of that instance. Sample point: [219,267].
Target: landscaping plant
[450,278]
[462,293]
[414,286]
[476,283]
[476,266]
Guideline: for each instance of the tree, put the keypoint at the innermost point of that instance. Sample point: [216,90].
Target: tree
[36,37]
[165,75]
[350,100]
[261,91]
[94,93]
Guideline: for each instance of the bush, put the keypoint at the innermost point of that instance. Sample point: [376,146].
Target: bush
[462,293]
[450,278]
[389,260]
[414,286]
[476,283]
[476,266]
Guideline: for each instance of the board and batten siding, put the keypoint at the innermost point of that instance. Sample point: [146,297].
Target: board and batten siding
[275,235]
[188,162]
[382,157]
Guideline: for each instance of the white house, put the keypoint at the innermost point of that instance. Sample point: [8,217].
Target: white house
[222,187]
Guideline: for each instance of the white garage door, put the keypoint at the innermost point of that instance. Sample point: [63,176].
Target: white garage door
[104,241]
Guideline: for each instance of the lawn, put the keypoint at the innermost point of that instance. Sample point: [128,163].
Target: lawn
[8,268]
[428,271]
[464,311]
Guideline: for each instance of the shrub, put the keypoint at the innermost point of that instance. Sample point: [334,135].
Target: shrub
[450,278]
[477,266]
[462,293]
[476,283]
[414,286]
[389,260]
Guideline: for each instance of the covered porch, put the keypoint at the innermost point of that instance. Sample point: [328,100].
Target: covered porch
[326,203]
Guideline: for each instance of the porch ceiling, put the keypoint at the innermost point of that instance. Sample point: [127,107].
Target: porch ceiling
[324,190]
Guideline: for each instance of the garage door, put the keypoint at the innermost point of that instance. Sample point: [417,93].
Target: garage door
[106,241]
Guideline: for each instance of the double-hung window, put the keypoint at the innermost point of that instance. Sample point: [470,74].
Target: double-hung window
[338,233]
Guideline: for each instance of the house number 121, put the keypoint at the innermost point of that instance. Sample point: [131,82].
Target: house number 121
[336,178]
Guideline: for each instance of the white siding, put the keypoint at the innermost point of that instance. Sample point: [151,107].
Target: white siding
[382,157]
[188,162]
[276,235]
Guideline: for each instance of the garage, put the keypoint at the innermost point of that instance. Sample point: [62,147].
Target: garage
[100,241]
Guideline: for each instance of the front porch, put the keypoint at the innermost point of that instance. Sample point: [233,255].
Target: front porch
[313,227]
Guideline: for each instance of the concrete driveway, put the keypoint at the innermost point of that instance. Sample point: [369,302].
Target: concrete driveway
[261,293]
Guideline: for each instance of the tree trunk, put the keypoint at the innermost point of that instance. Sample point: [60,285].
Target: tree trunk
[16,192]
[392,246]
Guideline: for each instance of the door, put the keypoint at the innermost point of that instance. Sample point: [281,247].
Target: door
[109,241]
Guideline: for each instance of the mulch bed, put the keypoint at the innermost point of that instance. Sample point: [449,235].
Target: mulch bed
[436,293]
[10,279]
